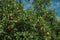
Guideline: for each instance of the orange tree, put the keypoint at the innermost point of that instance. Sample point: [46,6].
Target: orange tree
[19,24]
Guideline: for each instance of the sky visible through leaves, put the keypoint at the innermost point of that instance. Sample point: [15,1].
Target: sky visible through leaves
[55,4]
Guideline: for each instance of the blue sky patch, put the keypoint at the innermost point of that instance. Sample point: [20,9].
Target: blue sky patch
[55,5]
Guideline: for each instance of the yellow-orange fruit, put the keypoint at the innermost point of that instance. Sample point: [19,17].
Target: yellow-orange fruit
[10,27]
[17,8]
[11,18]
[47,33]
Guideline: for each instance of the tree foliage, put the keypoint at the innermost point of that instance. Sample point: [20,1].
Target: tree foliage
[19,24]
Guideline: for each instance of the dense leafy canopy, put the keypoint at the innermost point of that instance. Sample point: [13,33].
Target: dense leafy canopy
[19,24]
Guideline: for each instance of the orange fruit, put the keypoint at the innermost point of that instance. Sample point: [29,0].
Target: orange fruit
[47,33]
[11,18]
[10,27]
[17,8]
